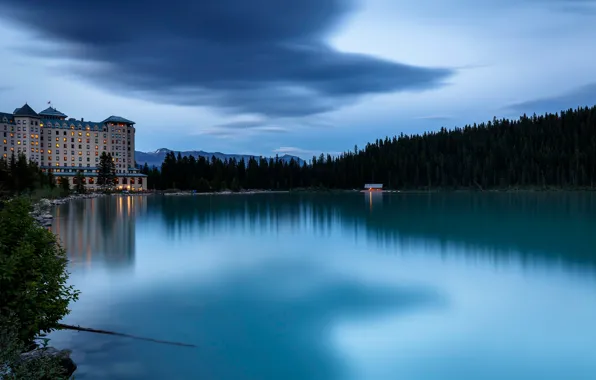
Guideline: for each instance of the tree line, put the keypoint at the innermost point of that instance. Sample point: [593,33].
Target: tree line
[18,175]
[553,150]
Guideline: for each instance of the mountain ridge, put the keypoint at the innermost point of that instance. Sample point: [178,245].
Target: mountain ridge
[156,157]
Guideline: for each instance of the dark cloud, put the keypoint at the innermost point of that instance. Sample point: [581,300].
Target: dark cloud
[254,56]
[583,96]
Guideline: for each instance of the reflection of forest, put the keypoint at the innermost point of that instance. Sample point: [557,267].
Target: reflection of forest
[540,226]
[100,229]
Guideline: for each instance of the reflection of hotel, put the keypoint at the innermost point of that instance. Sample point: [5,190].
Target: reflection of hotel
[99,230]
[65,146]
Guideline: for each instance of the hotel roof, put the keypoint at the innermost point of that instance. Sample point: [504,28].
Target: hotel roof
[51,112]
[117,119]
[26,111]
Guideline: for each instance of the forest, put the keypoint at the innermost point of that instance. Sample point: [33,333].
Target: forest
[549,151]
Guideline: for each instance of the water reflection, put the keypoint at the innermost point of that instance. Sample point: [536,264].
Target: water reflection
[556,228]
[99,229]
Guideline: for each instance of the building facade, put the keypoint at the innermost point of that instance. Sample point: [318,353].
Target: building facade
[65,146]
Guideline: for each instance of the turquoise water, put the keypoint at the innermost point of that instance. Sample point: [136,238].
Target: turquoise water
[393,286]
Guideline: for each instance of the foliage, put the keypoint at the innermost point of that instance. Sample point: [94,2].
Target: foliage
[20,176]
[64,186]
[106,176]
[79,182]
[33,273]
[11,367]
[554,150]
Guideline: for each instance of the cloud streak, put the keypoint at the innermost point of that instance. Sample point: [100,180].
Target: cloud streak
[266,57]
[580,97]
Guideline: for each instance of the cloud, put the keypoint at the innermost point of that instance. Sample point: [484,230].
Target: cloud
[582,96]
[265,57]
[435,117]
[303,153]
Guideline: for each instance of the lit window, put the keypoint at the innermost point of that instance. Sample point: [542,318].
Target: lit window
[72,133]
[96,147]
[87,134]
[80,133]
[65,139]
[57,164]
[6,143]
[72,158]
[32,136]
[80,140]
[57,138]
[57,145]
[49,151]
[36,136]
[19,142]
[80,153]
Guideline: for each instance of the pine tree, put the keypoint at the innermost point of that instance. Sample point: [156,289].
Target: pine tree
[106,176]
[79,181]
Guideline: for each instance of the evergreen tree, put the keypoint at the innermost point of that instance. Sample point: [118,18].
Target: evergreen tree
[106,176]
[79,182]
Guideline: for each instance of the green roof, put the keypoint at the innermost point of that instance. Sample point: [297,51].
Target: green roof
[26,111]
[117,119]
[51,112]
[9,117]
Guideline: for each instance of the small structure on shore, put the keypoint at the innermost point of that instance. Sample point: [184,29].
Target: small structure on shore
[373,187]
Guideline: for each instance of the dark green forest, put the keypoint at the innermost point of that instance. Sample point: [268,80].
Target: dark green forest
[550,151]
[19,176]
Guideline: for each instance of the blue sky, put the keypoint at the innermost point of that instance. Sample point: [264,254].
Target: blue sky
[299,77]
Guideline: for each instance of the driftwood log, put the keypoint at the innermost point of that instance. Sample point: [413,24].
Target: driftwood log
[85,329]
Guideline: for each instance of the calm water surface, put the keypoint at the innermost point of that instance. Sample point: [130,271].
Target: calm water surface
[393,286]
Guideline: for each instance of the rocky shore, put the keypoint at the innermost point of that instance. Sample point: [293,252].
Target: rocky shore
[41,210]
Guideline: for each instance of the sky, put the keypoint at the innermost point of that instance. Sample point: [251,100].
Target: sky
[270,77]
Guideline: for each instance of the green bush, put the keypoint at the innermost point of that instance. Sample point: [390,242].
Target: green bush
[33,273]
[11,365]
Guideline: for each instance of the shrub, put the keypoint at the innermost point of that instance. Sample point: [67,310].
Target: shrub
[33,273]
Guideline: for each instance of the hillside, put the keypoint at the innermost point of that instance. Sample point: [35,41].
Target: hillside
[551,151]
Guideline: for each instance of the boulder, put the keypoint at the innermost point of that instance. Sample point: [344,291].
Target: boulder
[63,356]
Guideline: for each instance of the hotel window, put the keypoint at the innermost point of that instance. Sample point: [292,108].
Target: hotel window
[19,142]
[72,158]
[19,122]
[88,153]
[95,134]
[72,152]
[12,135]
[96,141]
[72,146]
[41,151]
[104,148]
[97,153]
[88,159]
[65,139]
[32,136]
[105,141]
[57,145]
[87,146]
[12,149]
[80,158]
[96,159]
[57,132]
[36,136]
[57,164]
[32,150]
[80,140]
[65,158]
[64,146]
[5,141]
[50,158]
[57,139]
[57,152]
[72,133]
[80,146]
[80,153]
[80,133]
[49,151]
[24,128]
[96,147]
[87,134]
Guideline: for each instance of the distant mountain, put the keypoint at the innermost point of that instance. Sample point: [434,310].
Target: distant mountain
[156,158]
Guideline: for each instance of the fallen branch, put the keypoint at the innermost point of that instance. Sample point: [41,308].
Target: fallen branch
[85,329]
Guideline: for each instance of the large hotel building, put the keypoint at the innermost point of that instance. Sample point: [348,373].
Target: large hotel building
[65,146]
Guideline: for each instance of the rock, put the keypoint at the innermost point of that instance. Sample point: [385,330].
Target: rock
[62,355]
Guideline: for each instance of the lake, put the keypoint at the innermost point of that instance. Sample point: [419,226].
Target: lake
[334,286]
